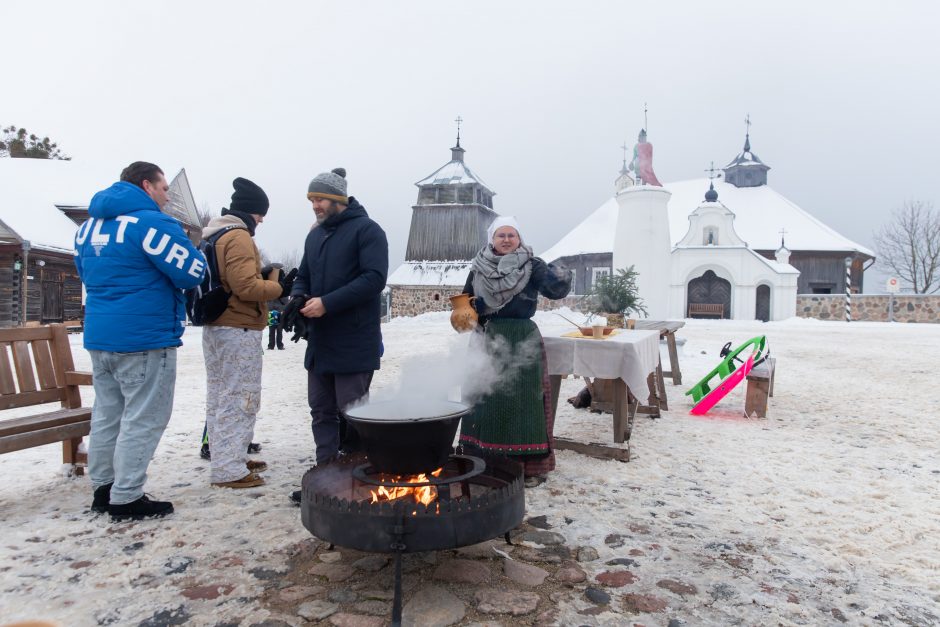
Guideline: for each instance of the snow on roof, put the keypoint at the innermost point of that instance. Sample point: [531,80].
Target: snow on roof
[760,214]
[30,189]
[430,273]
[452,173]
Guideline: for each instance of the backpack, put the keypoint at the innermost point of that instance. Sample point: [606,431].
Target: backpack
[208,300]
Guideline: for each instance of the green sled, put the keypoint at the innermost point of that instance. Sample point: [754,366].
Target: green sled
[726,367]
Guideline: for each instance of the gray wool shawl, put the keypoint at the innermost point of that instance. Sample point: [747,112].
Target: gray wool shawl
[497,278]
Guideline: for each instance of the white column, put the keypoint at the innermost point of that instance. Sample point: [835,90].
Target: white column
[642,240]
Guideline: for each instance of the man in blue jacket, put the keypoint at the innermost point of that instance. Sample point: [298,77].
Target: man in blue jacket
[337,292]
[135,262]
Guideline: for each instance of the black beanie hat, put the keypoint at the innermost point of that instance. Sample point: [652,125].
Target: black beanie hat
[248,197]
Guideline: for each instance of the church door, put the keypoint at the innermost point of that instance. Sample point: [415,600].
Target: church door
[709,296]
[762,311]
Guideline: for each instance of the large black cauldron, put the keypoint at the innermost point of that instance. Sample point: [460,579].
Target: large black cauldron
[407,437]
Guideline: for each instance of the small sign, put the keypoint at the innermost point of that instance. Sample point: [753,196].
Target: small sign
[894,286]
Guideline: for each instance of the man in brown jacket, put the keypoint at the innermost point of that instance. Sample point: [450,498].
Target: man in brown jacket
[231,344]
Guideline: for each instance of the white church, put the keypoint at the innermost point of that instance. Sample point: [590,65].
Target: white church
[711,248]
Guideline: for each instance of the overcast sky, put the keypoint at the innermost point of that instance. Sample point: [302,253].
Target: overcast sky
[843,98]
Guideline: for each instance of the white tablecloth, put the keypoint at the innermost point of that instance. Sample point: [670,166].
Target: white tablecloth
[628,355]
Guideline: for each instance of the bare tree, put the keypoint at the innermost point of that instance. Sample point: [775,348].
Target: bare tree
[910,245]
[205,214]
[291,258]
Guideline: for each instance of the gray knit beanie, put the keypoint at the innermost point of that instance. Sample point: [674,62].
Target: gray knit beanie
[330,185]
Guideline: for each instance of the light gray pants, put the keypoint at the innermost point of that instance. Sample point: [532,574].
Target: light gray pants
[133,403]
[233,395]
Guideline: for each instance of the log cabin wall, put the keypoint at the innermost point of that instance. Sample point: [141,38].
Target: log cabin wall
[47,287]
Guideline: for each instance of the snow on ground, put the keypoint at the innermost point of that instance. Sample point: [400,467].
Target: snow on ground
[825,512]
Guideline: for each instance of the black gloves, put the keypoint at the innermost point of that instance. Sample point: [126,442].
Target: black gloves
[266,271]
[292,319]
[287,282]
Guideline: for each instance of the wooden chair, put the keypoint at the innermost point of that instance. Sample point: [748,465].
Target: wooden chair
[36,368]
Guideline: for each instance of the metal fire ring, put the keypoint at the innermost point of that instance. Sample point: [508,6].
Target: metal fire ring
[359,473]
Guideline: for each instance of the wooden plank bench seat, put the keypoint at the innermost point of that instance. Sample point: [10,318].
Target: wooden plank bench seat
[36,368]
[706,309]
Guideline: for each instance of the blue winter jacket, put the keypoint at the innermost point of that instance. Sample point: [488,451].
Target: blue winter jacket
[134,261]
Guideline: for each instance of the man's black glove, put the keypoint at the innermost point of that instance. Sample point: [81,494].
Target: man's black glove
[293,320]
[287,282]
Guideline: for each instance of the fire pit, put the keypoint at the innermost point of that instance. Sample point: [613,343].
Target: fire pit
[467,500]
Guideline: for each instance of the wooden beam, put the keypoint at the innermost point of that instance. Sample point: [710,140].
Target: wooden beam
[594,449]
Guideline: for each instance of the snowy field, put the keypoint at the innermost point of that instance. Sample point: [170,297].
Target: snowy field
[827,512]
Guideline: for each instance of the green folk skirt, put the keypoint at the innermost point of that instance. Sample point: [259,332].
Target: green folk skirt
[511,419]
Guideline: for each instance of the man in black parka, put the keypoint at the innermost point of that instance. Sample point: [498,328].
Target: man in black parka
[337,294]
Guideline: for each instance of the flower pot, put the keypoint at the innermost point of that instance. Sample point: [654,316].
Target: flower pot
[463,317]
[615,320]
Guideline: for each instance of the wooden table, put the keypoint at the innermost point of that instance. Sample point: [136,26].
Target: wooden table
[667,331]
[626,359]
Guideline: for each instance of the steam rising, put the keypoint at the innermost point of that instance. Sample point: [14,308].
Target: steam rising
[467,370]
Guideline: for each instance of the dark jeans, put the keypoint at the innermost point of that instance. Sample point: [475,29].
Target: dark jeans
[280,336]
[327,395]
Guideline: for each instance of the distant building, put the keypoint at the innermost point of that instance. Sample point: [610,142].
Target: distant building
[750,216]
[448,228]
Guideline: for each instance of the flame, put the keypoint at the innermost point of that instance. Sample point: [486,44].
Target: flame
[424,494]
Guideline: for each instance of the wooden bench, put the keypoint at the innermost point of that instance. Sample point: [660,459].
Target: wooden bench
[706,309]
[36,368]
[760,386]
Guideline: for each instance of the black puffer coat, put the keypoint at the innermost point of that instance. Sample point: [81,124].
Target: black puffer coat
[345,263]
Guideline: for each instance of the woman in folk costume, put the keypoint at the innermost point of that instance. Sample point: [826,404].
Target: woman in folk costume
[515,419]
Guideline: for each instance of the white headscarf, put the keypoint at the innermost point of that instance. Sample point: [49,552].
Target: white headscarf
[500,222]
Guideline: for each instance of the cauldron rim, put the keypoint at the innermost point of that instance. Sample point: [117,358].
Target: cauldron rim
[457,410]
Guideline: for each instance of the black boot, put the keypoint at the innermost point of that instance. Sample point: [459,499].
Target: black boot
[295,497]
[204,452]
[139,509]
[254,448]
[102,499]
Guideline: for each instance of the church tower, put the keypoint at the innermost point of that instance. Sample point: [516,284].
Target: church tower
[746,170]
[453,211]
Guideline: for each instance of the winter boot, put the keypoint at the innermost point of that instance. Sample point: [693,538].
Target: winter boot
[254,448]
[102,499]
[256,466]
[204,452]
[140,509]
[295,497]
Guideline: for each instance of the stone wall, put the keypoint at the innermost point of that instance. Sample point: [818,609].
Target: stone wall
[412,300]
[871,307]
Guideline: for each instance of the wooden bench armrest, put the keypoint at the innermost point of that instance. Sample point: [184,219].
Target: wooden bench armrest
[73,377]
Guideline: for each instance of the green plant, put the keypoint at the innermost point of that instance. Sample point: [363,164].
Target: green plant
[616,293]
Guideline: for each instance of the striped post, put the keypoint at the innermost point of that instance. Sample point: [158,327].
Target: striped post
[848,289]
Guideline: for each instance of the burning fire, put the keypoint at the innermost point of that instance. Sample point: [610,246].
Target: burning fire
[424,494]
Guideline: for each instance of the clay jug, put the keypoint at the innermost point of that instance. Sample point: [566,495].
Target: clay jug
[463,317]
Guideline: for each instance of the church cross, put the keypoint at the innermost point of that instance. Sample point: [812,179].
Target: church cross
[783,232]
[625,148]
[458,121]
[646,123]
[747,123]
[711,171]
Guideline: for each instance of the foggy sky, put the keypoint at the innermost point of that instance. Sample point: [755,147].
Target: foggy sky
[842,96]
